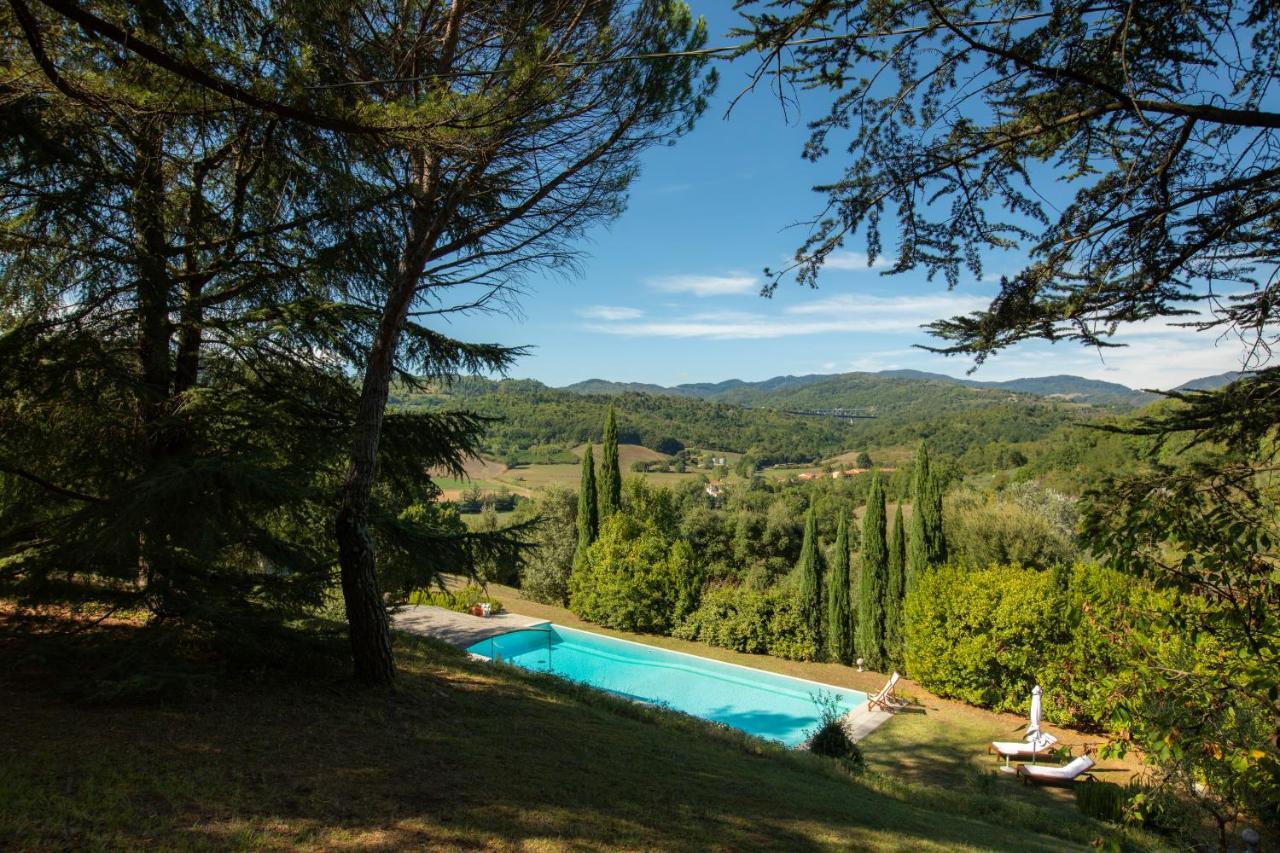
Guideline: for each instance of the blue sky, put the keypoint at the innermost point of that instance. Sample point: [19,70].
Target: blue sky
[669,292]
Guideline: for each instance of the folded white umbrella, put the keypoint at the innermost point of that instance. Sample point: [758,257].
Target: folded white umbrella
[1033,729]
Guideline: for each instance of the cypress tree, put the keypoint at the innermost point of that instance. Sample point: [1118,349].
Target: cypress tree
[839,623]
[895,591]
[875,570]
[588,513]
[926,546]
[810,585]
[610,472]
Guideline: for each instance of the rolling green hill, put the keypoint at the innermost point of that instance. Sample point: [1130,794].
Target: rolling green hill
[837,386]
[538,423]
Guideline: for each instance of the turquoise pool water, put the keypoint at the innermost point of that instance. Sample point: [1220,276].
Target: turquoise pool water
[762,703]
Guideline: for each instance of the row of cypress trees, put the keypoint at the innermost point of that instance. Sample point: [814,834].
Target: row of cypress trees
[864,612]
[596,505]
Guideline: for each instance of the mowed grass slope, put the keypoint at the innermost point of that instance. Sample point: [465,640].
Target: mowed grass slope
[461,755]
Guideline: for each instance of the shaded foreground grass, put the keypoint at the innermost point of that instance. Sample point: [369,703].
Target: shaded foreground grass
[462,754]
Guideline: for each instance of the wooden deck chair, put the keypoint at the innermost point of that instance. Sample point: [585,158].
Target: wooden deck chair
[885,700]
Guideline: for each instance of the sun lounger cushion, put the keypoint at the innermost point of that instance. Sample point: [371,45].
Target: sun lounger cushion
[1064,773]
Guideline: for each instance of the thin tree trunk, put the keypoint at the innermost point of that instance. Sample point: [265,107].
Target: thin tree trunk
[367,625]
[154,332]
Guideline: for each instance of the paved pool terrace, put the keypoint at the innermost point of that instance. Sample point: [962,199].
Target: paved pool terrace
[459,629]
[464,630]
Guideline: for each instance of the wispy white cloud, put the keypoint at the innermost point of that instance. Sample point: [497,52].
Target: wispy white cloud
[610,313]
[730,284]
[921,308]
[845,313]
[1155,355]
[853,261]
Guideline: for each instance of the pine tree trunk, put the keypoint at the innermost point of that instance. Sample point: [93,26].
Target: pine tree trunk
[368,628]
[152,346]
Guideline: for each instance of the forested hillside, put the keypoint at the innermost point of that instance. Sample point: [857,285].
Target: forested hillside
[828,390]
[536,422]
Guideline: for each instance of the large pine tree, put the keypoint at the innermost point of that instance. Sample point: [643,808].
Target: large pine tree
[926,546]
[588,513]
[839,622]
[875,570]
[610,470]
[809,589]
[895,591]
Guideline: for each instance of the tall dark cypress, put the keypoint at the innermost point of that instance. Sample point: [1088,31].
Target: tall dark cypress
[839,623]
[875,570]
[588,513]
[810,581]
[926,546]
[610,471]
[895,591]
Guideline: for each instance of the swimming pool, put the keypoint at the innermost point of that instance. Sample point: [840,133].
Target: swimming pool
[762,703]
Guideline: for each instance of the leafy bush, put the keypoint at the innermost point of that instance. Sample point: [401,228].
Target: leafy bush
[988,636]
[544,576]
[1102,800]
[982,636]
[831,739]
[461,600]
[1025,527]
[633,579]
[756,621]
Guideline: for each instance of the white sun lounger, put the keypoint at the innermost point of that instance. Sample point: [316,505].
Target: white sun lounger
[1032,748]
[1064,775]
[885,698]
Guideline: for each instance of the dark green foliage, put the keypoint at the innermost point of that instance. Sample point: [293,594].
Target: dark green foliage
[839,614]
[1025,525]
[831,738]
[588,508]
[610,472]
[955,420]
[864,460]
[983,635]
[668,445]
[926,544]
[987,636]
[1156,214]
[763,622]
[895,591]
[634,577]
[873,580]
[1102,800]
[809,580]
[545,574]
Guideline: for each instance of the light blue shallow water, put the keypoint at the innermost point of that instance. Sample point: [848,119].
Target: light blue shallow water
[762,703]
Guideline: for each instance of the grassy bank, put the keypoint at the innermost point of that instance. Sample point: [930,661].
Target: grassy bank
[460,755]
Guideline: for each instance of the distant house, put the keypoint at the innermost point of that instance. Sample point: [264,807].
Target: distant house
[714,490]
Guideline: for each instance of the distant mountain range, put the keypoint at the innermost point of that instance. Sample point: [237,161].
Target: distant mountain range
[863,389]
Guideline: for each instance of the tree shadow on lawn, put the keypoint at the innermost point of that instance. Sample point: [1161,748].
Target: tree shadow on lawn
[460,755]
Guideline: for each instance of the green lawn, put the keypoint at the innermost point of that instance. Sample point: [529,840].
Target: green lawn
[462,754]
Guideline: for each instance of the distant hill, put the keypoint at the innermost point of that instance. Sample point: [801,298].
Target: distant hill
[785,419]
[856,389]
[1211,383]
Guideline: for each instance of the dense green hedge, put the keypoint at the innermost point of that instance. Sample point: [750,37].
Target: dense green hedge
[750,620]
[635,578]
[987,636]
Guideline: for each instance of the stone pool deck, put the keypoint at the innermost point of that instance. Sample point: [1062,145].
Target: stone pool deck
[459,629]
